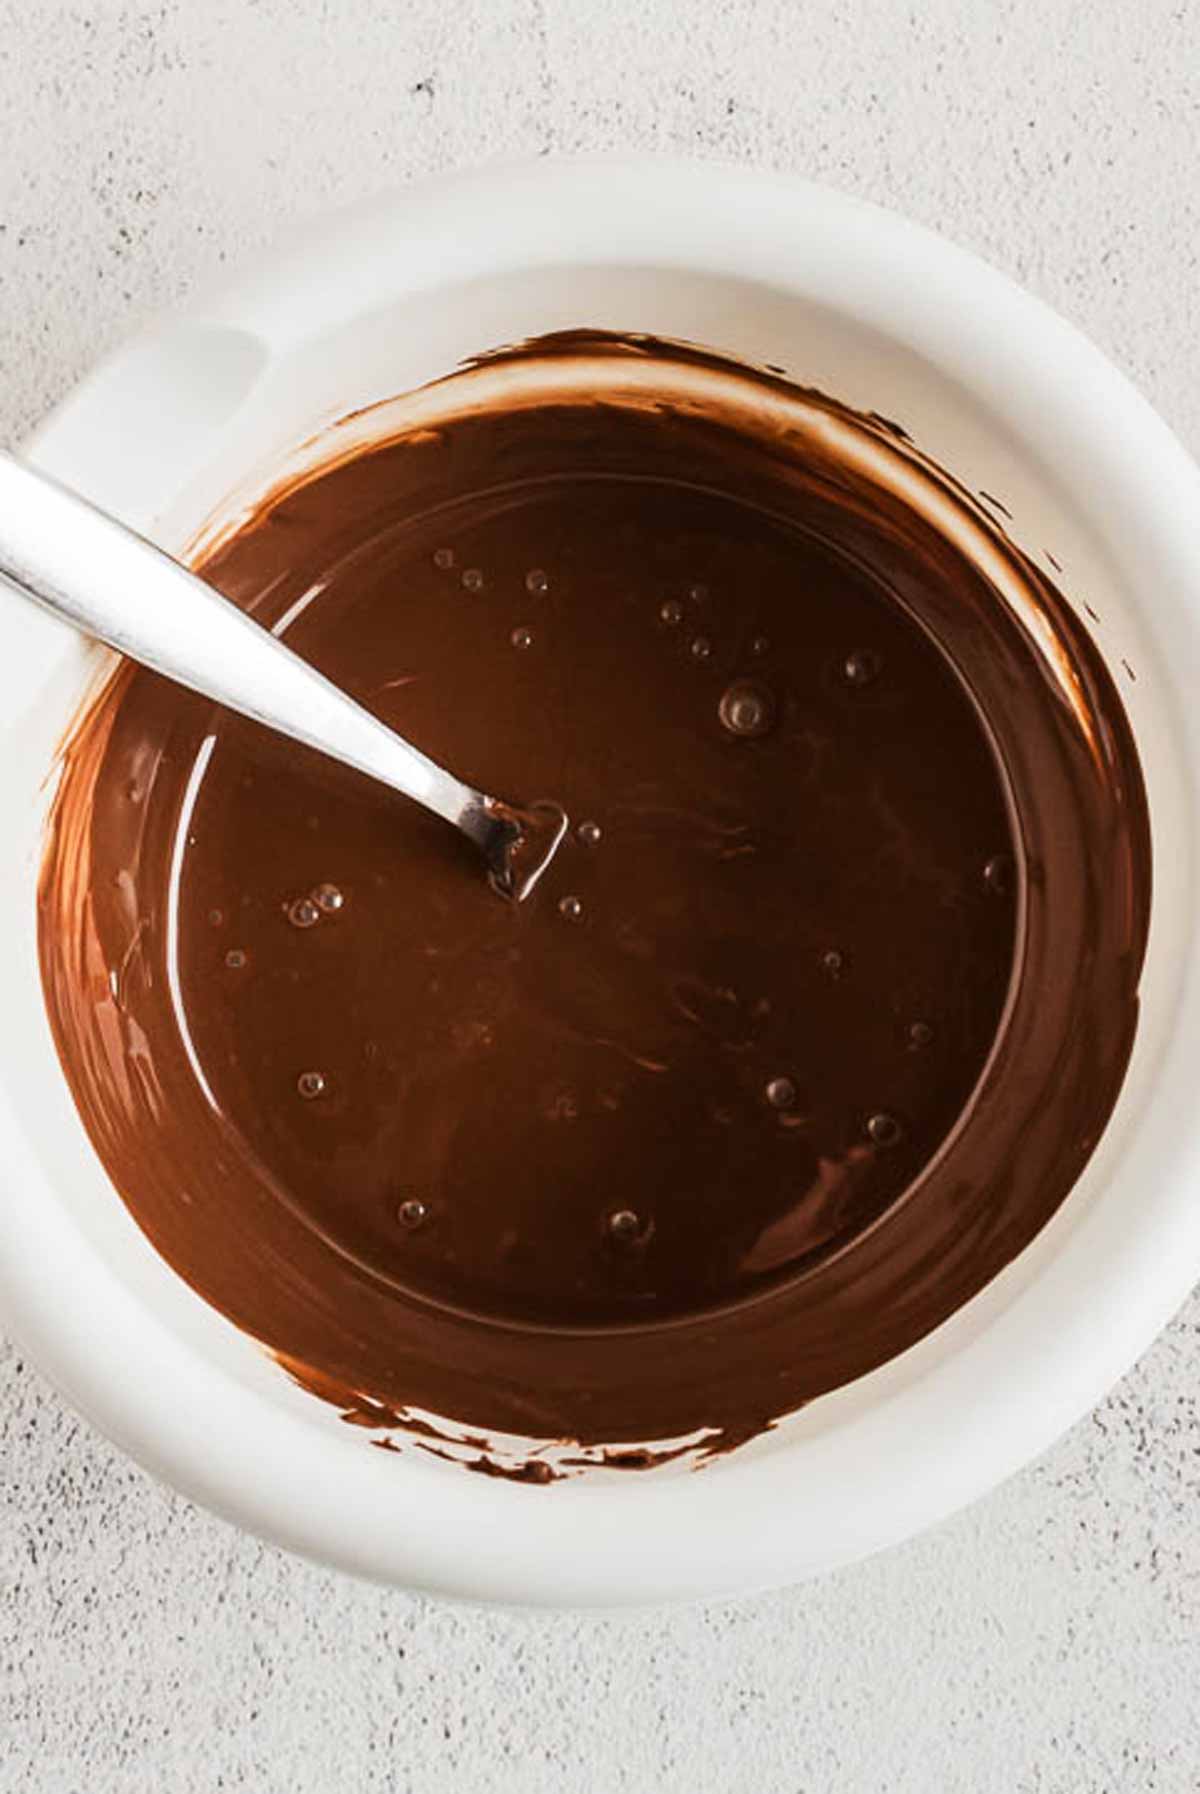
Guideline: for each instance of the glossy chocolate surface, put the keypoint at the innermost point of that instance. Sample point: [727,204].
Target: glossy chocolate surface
[813,1020]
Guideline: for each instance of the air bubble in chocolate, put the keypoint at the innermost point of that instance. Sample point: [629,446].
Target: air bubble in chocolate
[862,667]
[998,874]
[747,709]
[624,1225]
[884,1130]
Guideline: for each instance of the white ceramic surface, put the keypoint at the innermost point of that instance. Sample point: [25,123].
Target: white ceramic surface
[996,387]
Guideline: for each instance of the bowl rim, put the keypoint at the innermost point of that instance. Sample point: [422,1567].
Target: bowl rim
[1044,1351]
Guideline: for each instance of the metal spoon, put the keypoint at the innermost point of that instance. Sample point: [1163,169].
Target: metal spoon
[81,565]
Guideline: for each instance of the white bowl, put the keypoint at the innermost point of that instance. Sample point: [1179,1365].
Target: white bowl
[1002,392]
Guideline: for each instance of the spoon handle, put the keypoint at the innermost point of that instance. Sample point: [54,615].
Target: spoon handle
[84,567]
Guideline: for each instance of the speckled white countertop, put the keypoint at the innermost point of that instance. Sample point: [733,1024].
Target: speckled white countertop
[1047,1640]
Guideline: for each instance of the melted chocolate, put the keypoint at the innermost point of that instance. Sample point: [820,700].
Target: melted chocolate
[809,1026]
